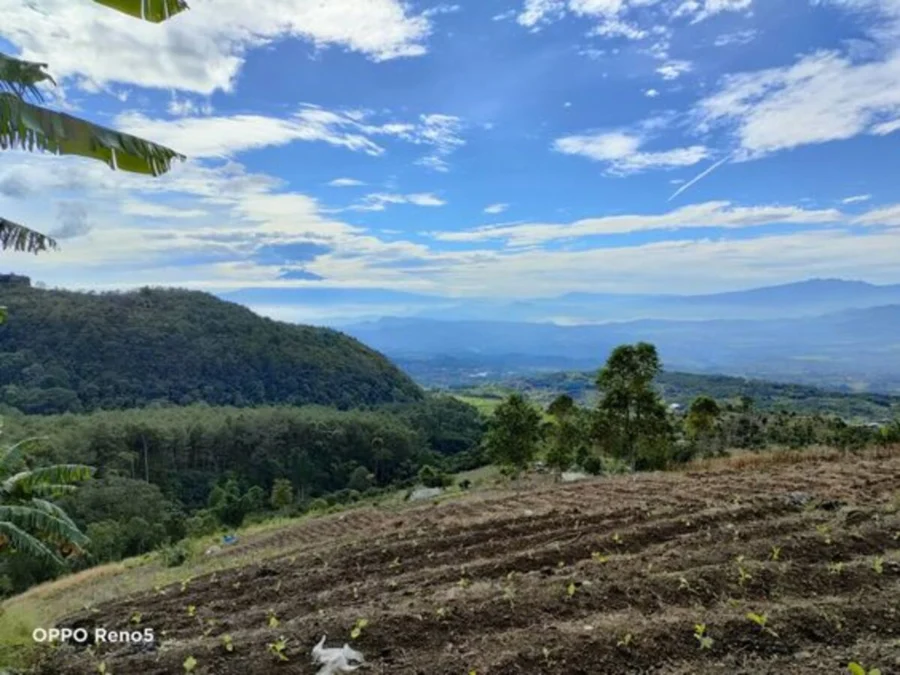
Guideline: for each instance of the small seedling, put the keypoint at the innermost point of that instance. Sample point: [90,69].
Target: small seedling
[825,531]
[101,668]
[761,620]
[705,641]
[189,664]
[625,641]
[273,620]
[743,576]
[394,564]
[570,589]
[441,612]
[358,628]
[878,565]
[598,557]
[683,584]
[136,618]
[464,583]
[617,539]
[836,568]
[227,643]
[184,583]
[776,553]
[192,610]
[278,647]
[856,669]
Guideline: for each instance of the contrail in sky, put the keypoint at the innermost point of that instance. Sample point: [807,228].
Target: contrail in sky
[698,178]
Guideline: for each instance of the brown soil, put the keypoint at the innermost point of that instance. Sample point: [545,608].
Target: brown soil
[602,577]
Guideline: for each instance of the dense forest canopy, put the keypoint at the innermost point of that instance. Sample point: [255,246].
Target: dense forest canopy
[64,351]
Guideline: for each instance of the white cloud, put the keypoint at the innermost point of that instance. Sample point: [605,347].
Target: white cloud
[823,97]
[651,93]
[186,107]
[378,201]
[672,70]
[622,152]
[740,37]
[856,199]
[707,215]
[888,215]
[201,50]
[703,9]
[885,128]
[494,209]
[346,182]
[140,207]
[220,136]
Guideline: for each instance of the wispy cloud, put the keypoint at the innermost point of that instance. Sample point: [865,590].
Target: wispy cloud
[346,182]
[856,199]
[496,208]
[622,153]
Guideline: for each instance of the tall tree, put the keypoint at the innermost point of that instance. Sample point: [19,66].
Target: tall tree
[631,415]
[513,433]
[25,123]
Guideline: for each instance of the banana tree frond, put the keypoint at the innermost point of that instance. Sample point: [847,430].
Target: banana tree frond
[22,77]
[20,238]
[154,11]
[25,483]
[31,519]
[31,127]
[26,544]
[12,457]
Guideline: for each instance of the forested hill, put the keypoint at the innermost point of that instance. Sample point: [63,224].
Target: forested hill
[68,351]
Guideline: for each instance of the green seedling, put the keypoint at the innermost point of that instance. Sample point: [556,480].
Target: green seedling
[617,539]
[273,620]
[278,647]
[189,664]
[102,669]
[836,568]
[761,620]
[743,576]
[570,589]
[705,641]
[136,618]
[358,628]
[625,641]
[825,531]
[464,583]
[192,610]
[856,669]
[598,557]
[776,553]
[441,612]
[227,643]
[184,583]
[683,584]
[878,565]
[394,564]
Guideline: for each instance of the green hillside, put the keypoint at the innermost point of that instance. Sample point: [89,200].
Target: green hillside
[63,351]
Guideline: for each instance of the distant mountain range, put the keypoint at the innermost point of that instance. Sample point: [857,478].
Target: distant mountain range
[330,306]
[856,349]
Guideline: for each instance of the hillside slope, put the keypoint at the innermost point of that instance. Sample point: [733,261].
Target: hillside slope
[67,351]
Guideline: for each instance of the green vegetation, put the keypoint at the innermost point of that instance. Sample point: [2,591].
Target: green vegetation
[513,433]
[682,388]
[26,124]
[62,351]
[170,472]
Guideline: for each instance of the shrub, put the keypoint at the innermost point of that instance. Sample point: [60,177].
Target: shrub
[175,555]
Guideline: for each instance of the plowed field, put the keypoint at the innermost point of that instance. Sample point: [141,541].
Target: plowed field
[599,577]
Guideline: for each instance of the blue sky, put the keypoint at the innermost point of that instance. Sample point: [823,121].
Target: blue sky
[499,149]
